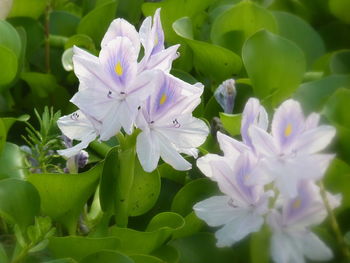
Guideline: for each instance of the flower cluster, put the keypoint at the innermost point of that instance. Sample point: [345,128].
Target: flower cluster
[121,91]
[271,177]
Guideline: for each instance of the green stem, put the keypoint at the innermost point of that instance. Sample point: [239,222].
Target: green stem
[100,148]
[47,37]
[334,223]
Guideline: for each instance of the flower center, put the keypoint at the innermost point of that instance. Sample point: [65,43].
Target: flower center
[288,130]
[118,69]
[163,99]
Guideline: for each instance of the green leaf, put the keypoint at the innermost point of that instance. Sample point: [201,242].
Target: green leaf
[63,23]
[145,259]
[313,95]
[3,255]
[301,33]
[96,22]
[19,202]
[81,40]
[40,83]
[144,191]
[64,195]
[3,135]
[340,62]
[167,171]
[212,61]
[341,9]
[10,38]
[260,246]
[107,256]
[192,225]
[33,8]
[237,24]
[62,260]
[201,248]
[79,247]
[158,232]
[337,180]
[231,122]
[9,61]
[191,193]
[278,71]
[12,162]
[167,253]
[172,10]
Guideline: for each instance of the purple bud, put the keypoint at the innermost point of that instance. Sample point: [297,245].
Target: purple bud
[81,159]
[225,95]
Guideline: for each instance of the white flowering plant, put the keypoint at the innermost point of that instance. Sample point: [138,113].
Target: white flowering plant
[174,131]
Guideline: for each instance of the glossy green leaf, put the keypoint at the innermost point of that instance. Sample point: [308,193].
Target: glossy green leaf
[10,38]
[138,258]
[41,84]
[212,61]
[64,195]
[62,260]
[107,256]
[19,202]
[82,41]
[79,247]
[167,171]
[172,10]
[238,23]
[12,162]
[63,23]
[192,225]
[337,180]
[301,33]
[201,248]
[278,71]
[144,191]
[341,9]
[96,22]
[314,94]
[9,61]
[158,232]
[340,62]
[167,253]
[231,122]
[260,246]
[3,135]
[33,8]
[3,255]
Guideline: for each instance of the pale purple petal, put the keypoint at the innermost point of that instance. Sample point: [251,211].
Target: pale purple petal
[263,143]
[111,123]
[315,249]
[207,163]
[241,226]
[148,152]
[85,141]
[161,60]
[119,60]
[122,28]
[314,140]
[288,123]
[312,121]
[225,95]
[215,211]
[231,147]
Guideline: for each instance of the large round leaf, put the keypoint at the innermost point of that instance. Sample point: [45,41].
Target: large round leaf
[341,9]
[340,62]
[213,61]
[107,256]
[19,202]
[12,162]
[33,8]
[64,195]
[96,22]
[301,33]
[10,38]
[275,66]
[238,23]
[9,64]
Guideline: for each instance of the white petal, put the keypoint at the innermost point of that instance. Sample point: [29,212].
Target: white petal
[215,211]
[207,162]
[170,155]
[315,140]
[110,124]
[231,147]
[241,226]
[189,132]
[263,142]
[126,116]
[163,59]
[312,121]
[286,249]
[315,249]
[76,125]
[147,148]
[122,28]
[77,148]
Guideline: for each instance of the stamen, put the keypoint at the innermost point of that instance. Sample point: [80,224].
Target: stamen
[109,95]
[74,116]
[118,69]
[176,124]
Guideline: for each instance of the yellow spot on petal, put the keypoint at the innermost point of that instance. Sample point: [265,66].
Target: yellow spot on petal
[288,130]
[297,204]
[156,40]
[162,99]
[118,69]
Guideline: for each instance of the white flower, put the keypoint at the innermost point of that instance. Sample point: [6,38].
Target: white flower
[78,126]
[292,239]
[240,211]
[167,125]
